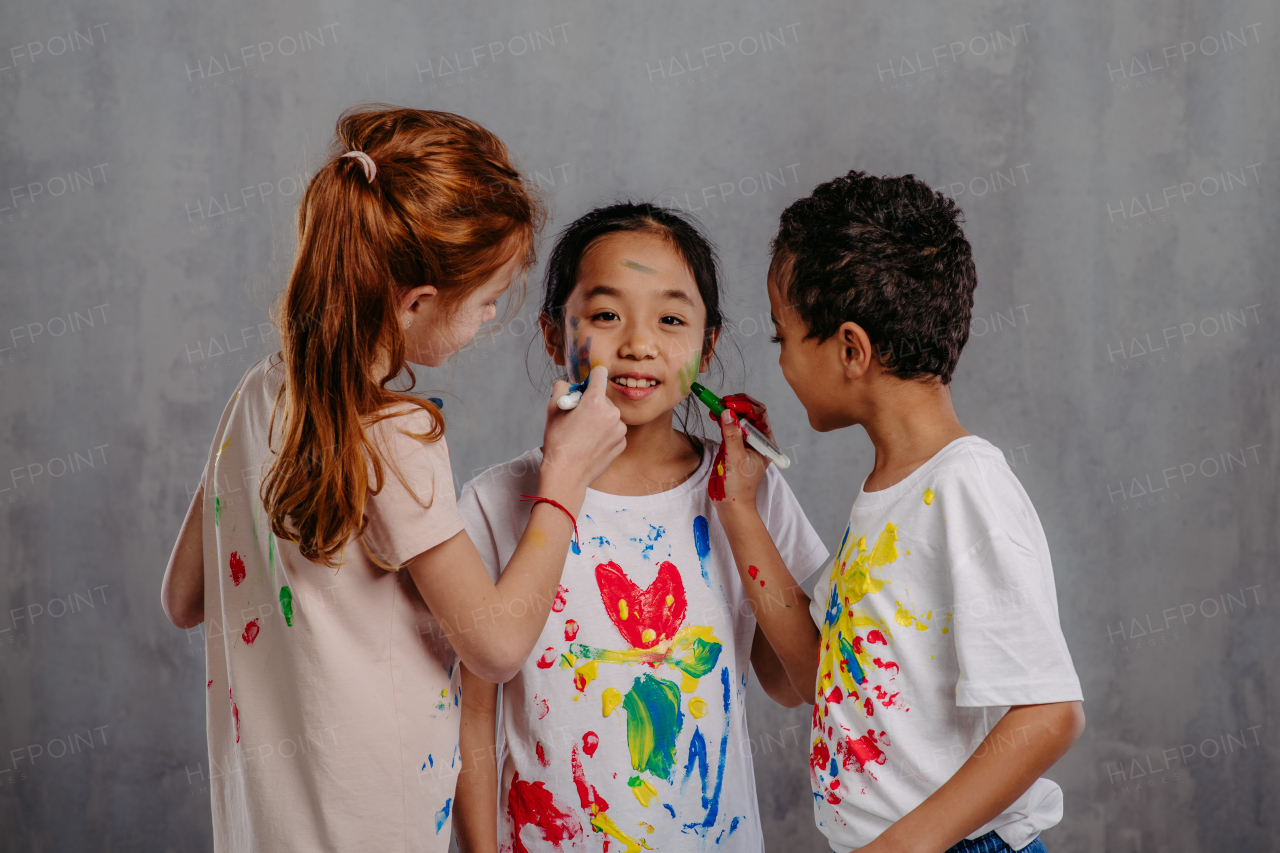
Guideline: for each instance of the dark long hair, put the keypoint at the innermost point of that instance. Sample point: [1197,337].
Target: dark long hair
[684,235]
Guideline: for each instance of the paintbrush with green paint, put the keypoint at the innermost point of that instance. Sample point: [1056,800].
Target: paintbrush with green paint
[754,437]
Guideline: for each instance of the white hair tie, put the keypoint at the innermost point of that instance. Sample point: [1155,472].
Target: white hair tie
[366,162]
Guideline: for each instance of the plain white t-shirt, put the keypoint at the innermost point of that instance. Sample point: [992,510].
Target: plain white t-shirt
[628,718]
[937,613]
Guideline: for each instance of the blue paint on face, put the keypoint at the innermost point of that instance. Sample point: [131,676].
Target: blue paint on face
[702,544]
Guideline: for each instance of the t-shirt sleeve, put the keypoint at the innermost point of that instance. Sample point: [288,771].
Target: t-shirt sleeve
[1007,636]
[798,543]
[480,528]
[410,517]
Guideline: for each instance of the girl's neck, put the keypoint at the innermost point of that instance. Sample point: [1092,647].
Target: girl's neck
[657,458]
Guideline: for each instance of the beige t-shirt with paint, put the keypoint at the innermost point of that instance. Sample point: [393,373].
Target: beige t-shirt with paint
[332,696]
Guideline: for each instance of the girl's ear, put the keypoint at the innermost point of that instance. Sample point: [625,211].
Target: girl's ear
[709,350]
[413,302]
[552,339]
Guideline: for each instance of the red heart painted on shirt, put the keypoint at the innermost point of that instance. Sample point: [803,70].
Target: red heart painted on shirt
[644,617]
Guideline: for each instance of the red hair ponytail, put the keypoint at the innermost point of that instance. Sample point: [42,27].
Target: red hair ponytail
[446,208]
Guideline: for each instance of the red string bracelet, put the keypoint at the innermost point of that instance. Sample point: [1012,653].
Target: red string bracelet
[540,499]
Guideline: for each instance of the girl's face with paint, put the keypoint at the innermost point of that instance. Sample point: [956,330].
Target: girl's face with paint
[635,308]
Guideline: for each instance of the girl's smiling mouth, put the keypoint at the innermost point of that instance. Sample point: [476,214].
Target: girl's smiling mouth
[634,386]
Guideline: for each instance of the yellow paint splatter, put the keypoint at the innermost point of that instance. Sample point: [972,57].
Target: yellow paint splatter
[698,707]
[648,635]
[610,699]
[928,497]
[688,683]
[904,618]
[567,661]
[945,629]
[584,675]
[671,599]
[645,792]
[605,824]
[222,448]
[622,608]
[648,827]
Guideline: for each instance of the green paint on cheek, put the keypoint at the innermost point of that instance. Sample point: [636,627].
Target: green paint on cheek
[286,605]
[689,373]
[654,720]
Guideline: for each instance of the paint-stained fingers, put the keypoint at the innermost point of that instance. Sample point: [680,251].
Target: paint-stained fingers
[738,455]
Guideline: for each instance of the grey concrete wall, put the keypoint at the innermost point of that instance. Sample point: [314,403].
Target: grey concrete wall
[1118,167]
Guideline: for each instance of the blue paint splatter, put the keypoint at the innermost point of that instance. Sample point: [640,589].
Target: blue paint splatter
[835,770]
[456,755]
[697,758]
[733,826]
[851,662]
[574,546]
[600,541]
[431,761]
[424,765]
[443,814]
[702,544]
[669,808]
[712,803]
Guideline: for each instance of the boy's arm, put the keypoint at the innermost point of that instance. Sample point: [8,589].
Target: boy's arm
[182,590]
[773,678]
[781,606]
[475,807]
[988,783]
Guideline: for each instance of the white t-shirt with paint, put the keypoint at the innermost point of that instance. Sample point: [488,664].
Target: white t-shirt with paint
[626,726]
[332,695]
[937,614]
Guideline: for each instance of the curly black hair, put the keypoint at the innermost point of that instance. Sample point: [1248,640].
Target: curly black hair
[888,254]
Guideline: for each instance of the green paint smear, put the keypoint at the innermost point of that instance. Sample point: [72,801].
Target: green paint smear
[217,510]
[689,373]
[654,720]
[635,782]
[286,605]
[701,660]
[695,658]
[271,559]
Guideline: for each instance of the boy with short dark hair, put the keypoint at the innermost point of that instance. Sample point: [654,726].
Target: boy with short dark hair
[944,684]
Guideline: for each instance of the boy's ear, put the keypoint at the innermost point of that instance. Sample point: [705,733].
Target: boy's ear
[552,340]
[708,350]
[855,351]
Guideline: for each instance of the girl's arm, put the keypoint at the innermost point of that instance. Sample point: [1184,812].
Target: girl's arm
[475,807]
[493,627]
[773,678]
[781,606]
[182,591]
[1015,753]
